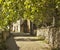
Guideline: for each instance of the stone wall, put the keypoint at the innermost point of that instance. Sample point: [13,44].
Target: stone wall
[5,35]
[54,37]
[16,26]
[43,32]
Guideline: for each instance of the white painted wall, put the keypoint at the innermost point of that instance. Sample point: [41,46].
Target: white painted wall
[16,26]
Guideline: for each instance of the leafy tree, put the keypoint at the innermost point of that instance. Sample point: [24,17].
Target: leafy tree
[38,11]
[8,12]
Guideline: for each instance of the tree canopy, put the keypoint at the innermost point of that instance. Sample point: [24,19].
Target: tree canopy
[38,11]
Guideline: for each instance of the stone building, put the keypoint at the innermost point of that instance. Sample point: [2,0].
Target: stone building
[16,26]
[24,26]
[21,26]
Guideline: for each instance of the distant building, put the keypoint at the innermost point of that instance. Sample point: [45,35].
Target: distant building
[21,26]
[16,26]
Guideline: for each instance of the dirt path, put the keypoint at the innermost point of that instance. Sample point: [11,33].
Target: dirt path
[31,45]
[26,44]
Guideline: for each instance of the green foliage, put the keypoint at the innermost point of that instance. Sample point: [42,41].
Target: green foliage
[8,12]
[38,11]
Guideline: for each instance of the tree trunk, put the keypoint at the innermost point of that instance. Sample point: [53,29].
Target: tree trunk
[53,24]
[31,28]
[10,27]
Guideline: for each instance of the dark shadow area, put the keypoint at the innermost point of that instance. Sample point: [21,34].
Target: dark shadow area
[22,39]
[55,48]
[11,44]
[22,35]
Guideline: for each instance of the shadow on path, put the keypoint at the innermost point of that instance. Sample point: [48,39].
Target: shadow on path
[28,39]
[11,44]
